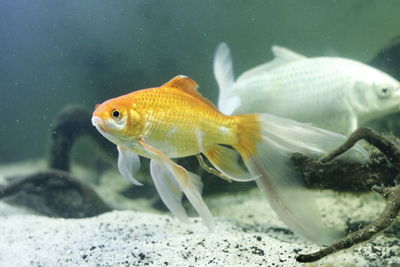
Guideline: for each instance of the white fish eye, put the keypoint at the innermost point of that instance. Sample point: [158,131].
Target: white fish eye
[384,91]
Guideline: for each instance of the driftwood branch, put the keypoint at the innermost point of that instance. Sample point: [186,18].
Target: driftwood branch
[392,196]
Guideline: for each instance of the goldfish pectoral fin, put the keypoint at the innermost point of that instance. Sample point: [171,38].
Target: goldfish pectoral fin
[225,160]
[128,164]
[168,189]
[189,183]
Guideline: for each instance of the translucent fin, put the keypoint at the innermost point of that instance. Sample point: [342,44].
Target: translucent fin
[182,82]
[285,54]
[193,191]
[128,164]
[225,160]
[282,56]
[189,183]
[300,137]
[168,189]
[223,73]
[276,139]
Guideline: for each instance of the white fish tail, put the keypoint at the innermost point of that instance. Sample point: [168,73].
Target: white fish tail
[266,143]
[223,72]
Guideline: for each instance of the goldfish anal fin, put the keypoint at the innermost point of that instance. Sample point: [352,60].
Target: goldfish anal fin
[225,160]
[189,86]
[189,183]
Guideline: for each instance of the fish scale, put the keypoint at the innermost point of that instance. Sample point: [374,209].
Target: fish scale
[168,109]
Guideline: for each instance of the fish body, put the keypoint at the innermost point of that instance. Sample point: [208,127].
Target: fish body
[174,120]
[333,93]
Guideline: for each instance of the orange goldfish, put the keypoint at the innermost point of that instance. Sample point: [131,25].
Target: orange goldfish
[174,120]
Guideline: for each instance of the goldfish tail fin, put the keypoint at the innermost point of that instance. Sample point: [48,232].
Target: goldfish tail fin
[266,143]
[223,72]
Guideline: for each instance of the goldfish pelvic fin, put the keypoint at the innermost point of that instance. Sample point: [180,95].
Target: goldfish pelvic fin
[223,73]
[189,183]
[189,86]
[128,164]
[269,155]
[168,189]
[225,160]
[282,56]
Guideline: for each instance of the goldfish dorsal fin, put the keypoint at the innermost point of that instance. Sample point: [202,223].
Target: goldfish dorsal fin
[182,82]
[189,86]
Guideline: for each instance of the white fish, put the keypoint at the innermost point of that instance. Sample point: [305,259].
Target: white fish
[333,93]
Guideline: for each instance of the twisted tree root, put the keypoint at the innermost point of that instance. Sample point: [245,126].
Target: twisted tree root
[392,196]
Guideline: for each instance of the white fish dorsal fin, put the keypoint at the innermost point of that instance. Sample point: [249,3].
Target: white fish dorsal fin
[286,55]
[282,56]
[189,86]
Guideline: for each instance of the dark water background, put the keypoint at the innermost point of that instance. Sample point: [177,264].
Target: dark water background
[54,53]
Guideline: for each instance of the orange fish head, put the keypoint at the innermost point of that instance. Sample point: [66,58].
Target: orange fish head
[117,120]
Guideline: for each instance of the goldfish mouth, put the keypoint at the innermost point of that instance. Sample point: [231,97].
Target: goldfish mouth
[96,121]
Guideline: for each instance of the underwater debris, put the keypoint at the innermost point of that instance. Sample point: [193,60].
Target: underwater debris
[391,194]
[58,190]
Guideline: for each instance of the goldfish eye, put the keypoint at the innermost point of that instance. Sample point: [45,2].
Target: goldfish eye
[116,114]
